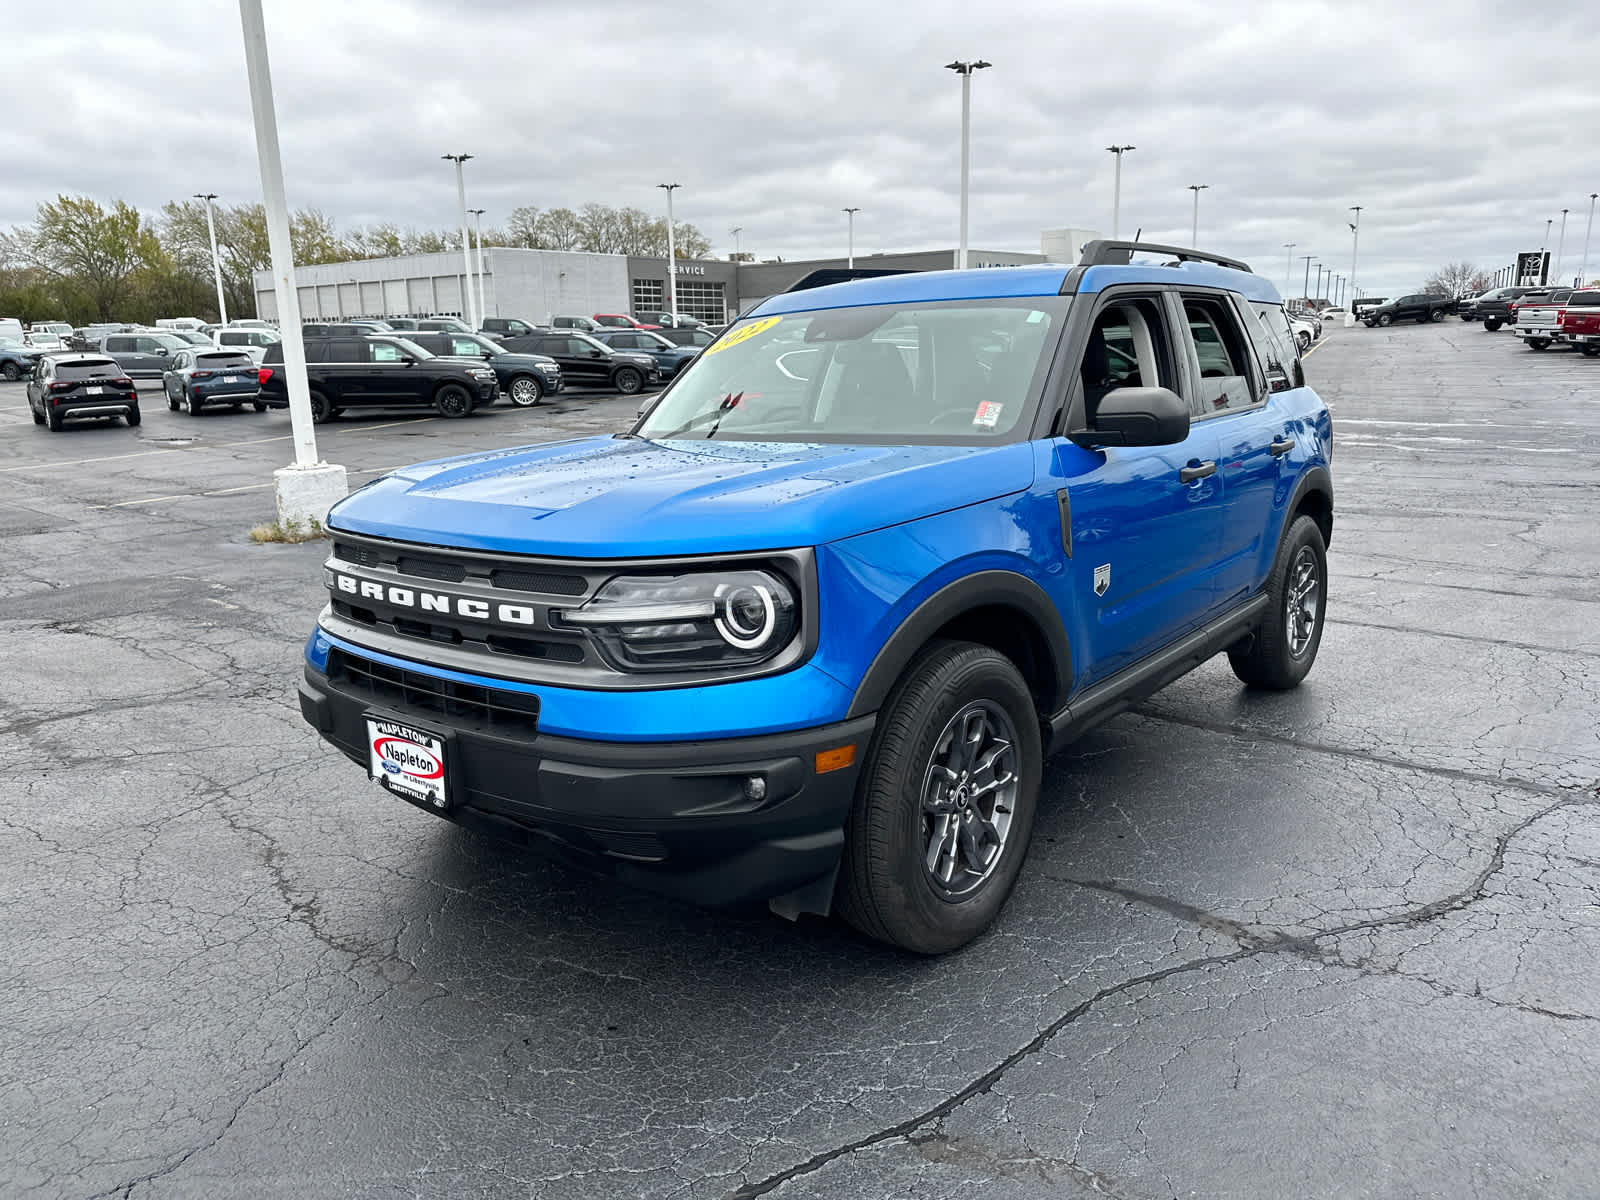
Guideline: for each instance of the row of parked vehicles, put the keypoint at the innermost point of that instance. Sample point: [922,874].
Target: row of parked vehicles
[1541,317]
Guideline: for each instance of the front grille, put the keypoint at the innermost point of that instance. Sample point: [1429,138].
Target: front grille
[361,555]
[431,568]
[539,581]
[422,695]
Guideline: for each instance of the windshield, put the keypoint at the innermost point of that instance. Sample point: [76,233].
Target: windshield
[964,371]
[11,344]
[407,345]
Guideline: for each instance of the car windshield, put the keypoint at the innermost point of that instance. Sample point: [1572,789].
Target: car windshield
[10,344]
[965,372]
[410,347]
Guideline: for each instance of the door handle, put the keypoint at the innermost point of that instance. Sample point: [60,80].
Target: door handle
[1190,474]
[1281,447]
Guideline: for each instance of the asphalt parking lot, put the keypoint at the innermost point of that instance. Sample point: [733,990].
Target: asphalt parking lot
[1336,942]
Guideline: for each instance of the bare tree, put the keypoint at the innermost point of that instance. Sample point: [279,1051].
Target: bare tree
[1455,280]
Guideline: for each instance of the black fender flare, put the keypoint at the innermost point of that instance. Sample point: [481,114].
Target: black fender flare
[982,589]
[1315,480]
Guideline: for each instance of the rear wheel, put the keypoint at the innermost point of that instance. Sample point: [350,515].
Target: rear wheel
[945,803]
[260,406]
[526,391]
[1384,319]
[1590,350]
[628,381]
[1304,341]
[322,409]
[1490,325]
[1280,653]
[453,400]
[1436,315]
[1537,343]
[195,405]
[133,415]
[55,421]
[10,371]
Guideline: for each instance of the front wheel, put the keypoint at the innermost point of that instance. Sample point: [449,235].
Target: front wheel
[526,391]
[453,400]
[1304,341]
[628,381]
[1436,315]
[1385,320]
[1280,653]
[944,807]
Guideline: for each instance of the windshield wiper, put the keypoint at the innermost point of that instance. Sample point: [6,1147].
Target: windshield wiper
[726,405]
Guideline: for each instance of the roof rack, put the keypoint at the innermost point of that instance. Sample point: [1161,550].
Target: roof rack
[1120,254]
[823,276]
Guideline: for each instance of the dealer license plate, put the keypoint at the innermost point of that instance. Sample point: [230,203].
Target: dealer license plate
[94,391]
[230,379]
[407,761]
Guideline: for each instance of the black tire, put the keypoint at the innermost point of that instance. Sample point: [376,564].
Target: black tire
[260,406]
[1304,341]
[132,416]
[322,409]
[193,403]
[172,402]
[1385,320]
[38,417]
[887,890]
[1280,653]
[453,400]
[1490,325]
[55,421]
[1537,343]
[526,391]
[627,380]
[1589,351]
[10,371]
[1436,315]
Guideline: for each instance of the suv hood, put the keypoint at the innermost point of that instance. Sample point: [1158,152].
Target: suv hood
[605,497]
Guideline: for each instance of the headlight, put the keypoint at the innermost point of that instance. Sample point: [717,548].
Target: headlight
[680,622]
[481,373]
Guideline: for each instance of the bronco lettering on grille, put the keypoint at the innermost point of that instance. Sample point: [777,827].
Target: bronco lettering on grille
[429,601]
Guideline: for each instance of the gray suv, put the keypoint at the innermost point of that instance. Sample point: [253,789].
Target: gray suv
[149,353]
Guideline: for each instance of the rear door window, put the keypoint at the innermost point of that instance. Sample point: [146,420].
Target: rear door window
[1276,346]
[1220,352]
[345,350]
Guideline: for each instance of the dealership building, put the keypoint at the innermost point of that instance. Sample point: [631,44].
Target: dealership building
[535,285]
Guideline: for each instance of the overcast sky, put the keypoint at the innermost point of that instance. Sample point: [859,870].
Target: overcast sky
[1461,126]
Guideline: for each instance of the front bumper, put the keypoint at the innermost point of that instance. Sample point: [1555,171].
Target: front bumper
[676,818]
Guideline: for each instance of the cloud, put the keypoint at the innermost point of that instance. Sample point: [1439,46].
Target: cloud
[1460,126]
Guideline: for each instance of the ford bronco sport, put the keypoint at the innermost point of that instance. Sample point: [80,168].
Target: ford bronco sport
[806,633]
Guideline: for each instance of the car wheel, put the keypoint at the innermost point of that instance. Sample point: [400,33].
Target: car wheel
[526,391]
[1384,319]
[1304,341]
[195,405]
[260,407]
[627,381]
[38,417]
[453,400]
[11,372]
[1280,653]
[1589,351]
[1491,325]
[133,415]
[945,803]
[322,410]
[1537,343]
[55,421]
[1436,315]
[172,401]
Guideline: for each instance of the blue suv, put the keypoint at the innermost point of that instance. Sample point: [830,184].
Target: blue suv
[806,633]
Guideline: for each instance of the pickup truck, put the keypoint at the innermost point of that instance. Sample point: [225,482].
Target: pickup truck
[1579,322]
[1415,307]
[1538,318]
[1495,309]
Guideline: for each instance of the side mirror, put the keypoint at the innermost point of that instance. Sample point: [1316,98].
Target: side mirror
[1137,416]
[408,360]
[162,351]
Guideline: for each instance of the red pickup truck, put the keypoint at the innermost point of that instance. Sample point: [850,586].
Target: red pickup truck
[1579,322]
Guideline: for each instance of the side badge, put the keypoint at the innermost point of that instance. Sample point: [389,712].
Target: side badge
[1102,579]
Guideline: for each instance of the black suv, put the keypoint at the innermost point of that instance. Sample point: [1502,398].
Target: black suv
[68,386]
[587,362]
[526,378]
[1416,307]
[380,372]
[1493,308]
[501,328]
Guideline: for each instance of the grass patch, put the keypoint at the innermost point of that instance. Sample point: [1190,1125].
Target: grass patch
[288,531]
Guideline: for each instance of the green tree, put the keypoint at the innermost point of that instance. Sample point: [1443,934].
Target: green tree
[101,250]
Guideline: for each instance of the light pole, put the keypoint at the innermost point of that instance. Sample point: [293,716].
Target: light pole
[216,263]
[736,231]
[965,70]
[850,261]
[306,490]
[1305,288]
[1194,227]
[1561,245]
[477,236]
[1288,262]
[1584,269]
[466,248]
[1355,246]
[1319,282]
[672,254]
[1116,191]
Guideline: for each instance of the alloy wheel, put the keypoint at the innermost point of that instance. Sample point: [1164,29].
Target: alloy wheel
[969,793]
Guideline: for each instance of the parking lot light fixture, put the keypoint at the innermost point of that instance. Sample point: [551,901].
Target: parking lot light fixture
[1305,288]
[850,258]
[1584,269]
[466,248]
[1116,191]
[965,70]
[1355,247]
[1194,227]
[477,237]
[1288,264]
[672,254]
[216,263]
[1561,245]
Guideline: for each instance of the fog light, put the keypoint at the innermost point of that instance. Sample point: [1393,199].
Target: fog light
[755,788]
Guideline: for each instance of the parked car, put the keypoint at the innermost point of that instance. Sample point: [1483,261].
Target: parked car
[500,328]
[175,323]
[808,634]
[147,354]
[1304,332]
[588,363]
[666,320]
[401,324]
[526,378]
[619,321]
[1494,308]
[11,328]
[17,359]
[45,341]
[1416,307]
[1538,317]
[251,340]
[384,371]
[249,323]
[372,324]
[1580,321]
[687,336]
[1361,307]
[443,325]
[670,358]
[198,378]
[582,324]
[70,387]
[342,329]
[194,337]
[60,328]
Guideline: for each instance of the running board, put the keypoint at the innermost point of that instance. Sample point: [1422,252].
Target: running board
[1127,687]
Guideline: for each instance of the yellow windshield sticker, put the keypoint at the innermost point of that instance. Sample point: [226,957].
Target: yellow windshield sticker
[743,334]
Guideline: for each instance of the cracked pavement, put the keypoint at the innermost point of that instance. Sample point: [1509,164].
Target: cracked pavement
[1338,942]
